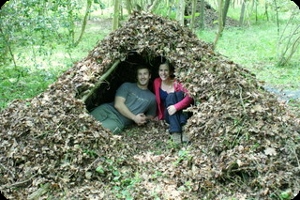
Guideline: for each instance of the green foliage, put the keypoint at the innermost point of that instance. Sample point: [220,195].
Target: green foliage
[162,10]
[22,83]
[40,44]
[190,16]
[91,153]
[282,195]
[183,154]
[125,188]
[123,182]
[256,49]
[31,32]
[35,22]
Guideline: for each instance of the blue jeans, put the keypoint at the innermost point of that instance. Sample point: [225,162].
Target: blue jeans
[177,120]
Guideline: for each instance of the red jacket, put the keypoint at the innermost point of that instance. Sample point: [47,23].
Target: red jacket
[184,103]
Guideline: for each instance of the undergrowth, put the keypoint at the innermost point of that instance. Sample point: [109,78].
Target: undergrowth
[255,48]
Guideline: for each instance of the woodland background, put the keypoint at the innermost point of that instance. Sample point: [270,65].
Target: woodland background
[41,39]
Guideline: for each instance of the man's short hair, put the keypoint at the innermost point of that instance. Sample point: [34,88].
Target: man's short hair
[142,66]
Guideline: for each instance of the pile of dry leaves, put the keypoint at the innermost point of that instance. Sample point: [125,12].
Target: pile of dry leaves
[210,16]
[245,144]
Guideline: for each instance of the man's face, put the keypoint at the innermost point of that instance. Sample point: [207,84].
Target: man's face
[143,77]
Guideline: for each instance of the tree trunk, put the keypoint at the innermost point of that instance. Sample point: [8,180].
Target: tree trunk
[129,6]
[220,21]
[143,4]
[167,3]
[290,42]
[180,12]
[192,25]
[121,15]
[292,50]
[225,11]
[277,16]
[169,8]
[266,10]
[8,47]
[84,22]
[202,14]
[116,14]
[71,28]
[255,4]
[241,22]
[153,6]
[136,5]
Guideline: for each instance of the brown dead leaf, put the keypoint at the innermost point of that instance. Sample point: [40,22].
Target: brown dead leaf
[270,151]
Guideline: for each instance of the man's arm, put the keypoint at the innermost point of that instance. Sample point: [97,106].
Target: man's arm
[151,112]
[122,108]
[150,117]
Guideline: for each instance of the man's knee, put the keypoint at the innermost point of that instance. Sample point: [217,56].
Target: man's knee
[113,125]
[99,113]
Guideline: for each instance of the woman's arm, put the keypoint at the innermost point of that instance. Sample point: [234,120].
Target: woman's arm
[186,101]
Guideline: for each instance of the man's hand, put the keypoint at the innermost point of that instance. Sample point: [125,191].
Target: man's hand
[171,110]
[140,119]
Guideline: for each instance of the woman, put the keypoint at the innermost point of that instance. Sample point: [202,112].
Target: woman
[171,99]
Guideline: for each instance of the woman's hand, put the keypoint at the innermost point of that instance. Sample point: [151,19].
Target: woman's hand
[171,110]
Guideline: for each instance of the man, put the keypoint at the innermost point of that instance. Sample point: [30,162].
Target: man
[133,103]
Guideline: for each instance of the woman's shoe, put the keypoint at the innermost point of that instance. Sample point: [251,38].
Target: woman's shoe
[176,137]
[185,138]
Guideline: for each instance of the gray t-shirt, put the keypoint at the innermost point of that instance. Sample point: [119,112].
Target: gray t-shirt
[137,101]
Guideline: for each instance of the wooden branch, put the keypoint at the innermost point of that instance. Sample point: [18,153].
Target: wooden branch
[17,184]
[100,81]
[1,165]
[89,167]
[153,6]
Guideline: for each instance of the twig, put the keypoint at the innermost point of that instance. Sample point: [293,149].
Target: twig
[92,164]
[19,183]
[242,101]
[293,150]
[7,170]
[100,81]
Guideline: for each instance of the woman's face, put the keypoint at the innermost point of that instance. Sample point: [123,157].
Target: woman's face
[164,72]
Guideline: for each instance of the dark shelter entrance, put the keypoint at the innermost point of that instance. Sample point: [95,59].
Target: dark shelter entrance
[125,71]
